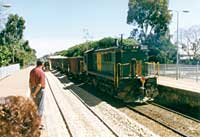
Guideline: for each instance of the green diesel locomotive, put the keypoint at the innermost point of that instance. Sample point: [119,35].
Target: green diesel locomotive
[121,72]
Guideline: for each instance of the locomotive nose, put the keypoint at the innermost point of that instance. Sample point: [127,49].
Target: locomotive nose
[130,91]
[139,90]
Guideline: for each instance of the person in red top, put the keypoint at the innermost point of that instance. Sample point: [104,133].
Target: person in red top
[37,86]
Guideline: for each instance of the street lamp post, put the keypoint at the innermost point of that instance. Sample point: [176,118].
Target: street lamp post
[6,5]
[177,41]
[3,6]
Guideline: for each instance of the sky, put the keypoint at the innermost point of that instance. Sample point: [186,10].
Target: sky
[54,25]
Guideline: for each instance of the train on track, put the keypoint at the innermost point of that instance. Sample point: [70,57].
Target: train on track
[119,71]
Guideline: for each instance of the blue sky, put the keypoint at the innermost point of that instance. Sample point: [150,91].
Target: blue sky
[53,25]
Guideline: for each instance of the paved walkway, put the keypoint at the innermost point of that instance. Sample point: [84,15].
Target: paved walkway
[16,84]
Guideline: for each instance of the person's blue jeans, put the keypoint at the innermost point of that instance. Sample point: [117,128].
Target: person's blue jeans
[39,100]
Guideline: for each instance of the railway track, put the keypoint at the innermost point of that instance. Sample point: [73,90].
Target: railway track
[178,123]
[62,114]
[186,116]
[169,120]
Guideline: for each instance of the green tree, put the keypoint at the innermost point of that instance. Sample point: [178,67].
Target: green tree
[13,31]
[12,43]
[150,19]
[24,54]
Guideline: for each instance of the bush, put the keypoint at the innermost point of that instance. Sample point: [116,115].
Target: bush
[18,117]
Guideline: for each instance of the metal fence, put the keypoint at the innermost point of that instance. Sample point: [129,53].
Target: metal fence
[8,70]
[181,72]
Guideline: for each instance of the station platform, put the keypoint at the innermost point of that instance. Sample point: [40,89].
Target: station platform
[185,84]
[183,94]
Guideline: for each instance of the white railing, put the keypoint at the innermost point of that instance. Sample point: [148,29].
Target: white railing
[8,70]
[184,71]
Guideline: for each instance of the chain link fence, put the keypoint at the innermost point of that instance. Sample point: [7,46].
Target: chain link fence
[8,70]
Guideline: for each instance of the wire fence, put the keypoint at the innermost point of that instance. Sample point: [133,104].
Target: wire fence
[8,70]
[181,71]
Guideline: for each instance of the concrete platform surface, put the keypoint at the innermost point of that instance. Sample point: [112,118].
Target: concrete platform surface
[185,84]
[16,84]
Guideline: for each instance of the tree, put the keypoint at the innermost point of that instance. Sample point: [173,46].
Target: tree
[12,43]
[24,54]
[13,31]
[150,19]
[149,16]
[190,42]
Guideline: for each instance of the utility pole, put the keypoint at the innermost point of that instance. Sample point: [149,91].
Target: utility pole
[87,35]
[177,41]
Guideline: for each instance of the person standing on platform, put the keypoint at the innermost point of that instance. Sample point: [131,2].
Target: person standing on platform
[37,86]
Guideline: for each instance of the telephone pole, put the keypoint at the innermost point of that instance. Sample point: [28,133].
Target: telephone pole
[177,41]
